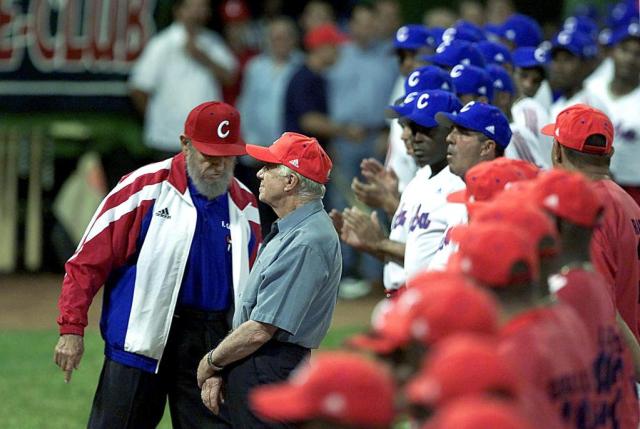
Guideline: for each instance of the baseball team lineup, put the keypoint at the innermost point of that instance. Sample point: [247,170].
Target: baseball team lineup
[484,179]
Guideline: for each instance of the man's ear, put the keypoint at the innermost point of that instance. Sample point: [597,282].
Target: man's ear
[488,149]
[184,144]
[292,183]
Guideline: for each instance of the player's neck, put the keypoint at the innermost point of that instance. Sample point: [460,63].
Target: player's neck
[438,167]
[570,92]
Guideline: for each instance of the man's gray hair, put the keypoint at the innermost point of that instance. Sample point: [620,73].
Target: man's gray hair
[307,189]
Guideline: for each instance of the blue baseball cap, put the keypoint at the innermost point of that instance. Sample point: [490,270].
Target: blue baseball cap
[428,103]
[403,106]
[472,80]
[521,30]
[622,14]
[530,57]
[464,30]
[480,117]
[501,79]
[582,24]
[493,31]
[494,52]
[456,52]
[620,34]
[412,36]
[428,77]
[578,44]
[435,36]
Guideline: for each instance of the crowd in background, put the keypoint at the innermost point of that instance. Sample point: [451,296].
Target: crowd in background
[527,315]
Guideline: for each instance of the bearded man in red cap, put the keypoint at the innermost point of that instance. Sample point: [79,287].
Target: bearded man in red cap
[173,243]
[286,307]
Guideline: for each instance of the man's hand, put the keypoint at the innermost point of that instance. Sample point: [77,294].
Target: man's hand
[338,221]
[372,169]
[205,370]
[67,353]
[354,133]
[211,394]
[361,231]
[380,189]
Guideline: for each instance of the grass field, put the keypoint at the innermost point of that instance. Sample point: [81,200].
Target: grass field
[33,394]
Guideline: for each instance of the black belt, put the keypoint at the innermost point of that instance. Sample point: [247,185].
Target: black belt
[194,314]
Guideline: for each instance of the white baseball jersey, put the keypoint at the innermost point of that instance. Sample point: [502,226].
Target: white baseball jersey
[544,96]
[625,164]
[397,157]
[524,145]
[584,96]
[394,275]
[528,113]
[602,73]
[429,220]
[456,215]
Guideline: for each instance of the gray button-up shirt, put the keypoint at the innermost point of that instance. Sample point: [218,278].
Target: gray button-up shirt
[294,282]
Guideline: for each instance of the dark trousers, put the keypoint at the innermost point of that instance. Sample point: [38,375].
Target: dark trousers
[131,398]
[271,363]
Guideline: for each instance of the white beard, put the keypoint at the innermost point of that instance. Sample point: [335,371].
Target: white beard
[209,189]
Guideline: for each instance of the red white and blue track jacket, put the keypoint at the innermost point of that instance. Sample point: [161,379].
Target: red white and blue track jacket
[137,245]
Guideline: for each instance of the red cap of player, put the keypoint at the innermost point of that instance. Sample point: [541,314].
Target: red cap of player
[214,129]
[461,365]
[324,34]
[479,412]
[569,196]
[496,255]
[300,153]
[423,312]
[525,216]
[337,386]
[576,123]
[489,178]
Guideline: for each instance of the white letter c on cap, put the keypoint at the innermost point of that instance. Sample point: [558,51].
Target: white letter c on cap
[422,101]
[223,134]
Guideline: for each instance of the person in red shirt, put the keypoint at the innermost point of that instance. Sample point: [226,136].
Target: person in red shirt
[547,345]
[418,317]
[467,365]
[583,142]
[578,285]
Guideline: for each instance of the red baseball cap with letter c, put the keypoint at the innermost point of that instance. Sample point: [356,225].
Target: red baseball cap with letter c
[576,123]
[302,154]
[214,129]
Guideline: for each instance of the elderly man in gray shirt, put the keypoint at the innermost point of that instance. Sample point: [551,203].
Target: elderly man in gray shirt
[286,307]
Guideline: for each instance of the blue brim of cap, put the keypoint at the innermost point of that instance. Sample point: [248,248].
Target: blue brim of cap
[410,46]
[398,111]
[574,51]
[528,64]
[449,119]
[422,120]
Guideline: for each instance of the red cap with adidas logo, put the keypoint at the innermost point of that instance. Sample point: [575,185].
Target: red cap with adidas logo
[300,153]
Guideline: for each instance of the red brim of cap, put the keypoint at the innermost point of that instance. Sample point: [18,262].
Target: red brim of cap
[457,197]
[549,130]
[227,149]
[262,153]
[281,403]
[370,343]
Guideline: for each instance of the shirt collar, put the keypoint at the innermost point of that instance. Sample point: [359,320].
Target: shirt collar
[298,215]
